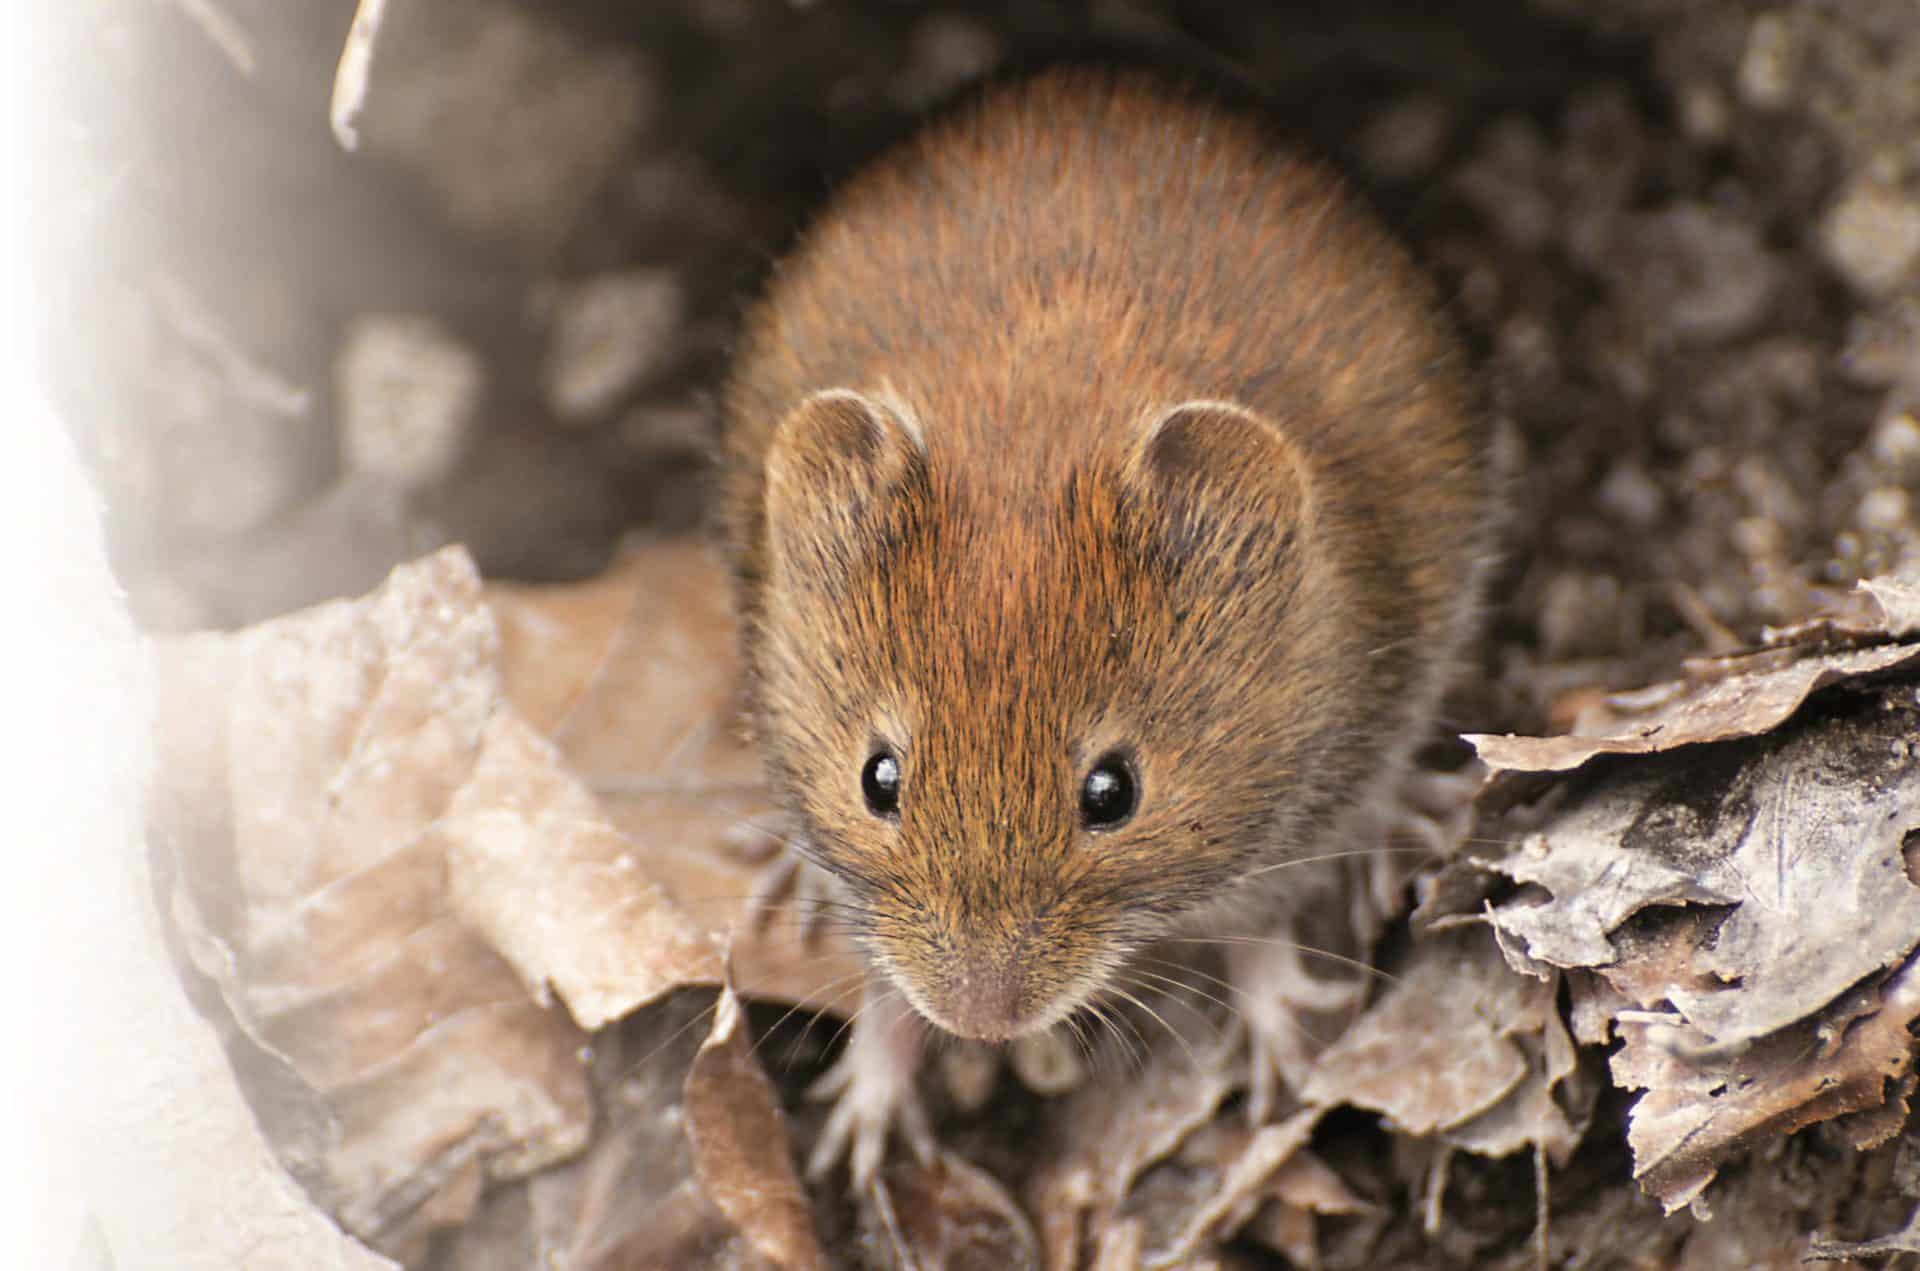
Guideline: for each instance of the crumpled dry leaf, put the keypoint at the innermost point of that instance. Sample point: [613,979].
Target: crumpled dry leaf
[640,1196]
[320,778]
[1721,908]
[1906,1240]
[1109,1136]
[1300,1191]
[1463,1047]
[635,676]
[1800,833]
[1703,1106]
[1742,703]
[1245,1180]
[1876,610]
[740,1146]
[536,868]
[1737,696]
[1898,599]
[951,1215]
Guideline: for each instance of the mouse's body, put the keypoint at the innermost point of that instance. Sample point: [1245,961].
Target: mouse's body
[1108,498]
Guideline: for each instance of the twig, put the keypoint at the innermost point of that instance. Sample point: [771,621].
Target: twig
[350,76]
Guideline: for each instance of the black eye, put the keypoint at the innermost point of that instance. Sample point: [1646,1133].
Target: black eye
[880,782]
[1108,795]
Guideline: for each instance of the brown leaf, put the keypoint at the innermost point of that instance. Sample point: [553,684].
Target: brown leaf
[536,868]
[634,1197]
[1729,901]
[1108,1135]
[1877,609]
[741,1148]
[1243,1183]
[1440,1047]
[1740,695]
[1799,833]
[1301,1190]
[1906,1240]
[358,818]
[1741,703]
[1898,599]
[1703,1107]
[635,676]
[951,1215]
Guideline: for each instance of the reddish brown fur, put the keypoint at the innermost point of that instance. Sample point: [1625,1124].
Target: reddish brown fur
[998,561]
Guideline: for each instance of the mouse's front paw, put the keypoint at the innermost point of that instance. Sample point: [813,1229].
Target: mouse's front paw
[1276,990]
[789,886]
[865,1112]
[873,1094]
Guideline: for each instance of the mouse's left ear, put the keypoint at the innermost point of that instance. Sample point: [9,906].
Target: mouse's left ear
[1224,479]
[833,463]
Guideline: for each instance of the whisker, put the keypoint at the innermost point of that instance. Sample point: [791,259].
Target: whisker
[1076,1027]
[1170,963]
[1159,1019]
[1269,941]
[1133,1049]
[1183,986]
[671,1038]
[1335,856]
[846,1025]
[793,1051]
[830,992]
[1127,1033]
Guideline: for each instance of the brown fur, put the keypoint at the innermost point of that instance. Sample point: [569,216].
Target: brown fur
[1149,440]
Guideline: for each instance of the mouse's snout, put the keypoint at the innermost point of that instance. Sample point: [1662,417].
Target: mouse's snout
[992,984]
[981,997]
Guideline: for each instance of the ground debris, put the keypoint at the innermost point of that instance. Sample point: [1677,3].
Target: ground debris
[1731,890]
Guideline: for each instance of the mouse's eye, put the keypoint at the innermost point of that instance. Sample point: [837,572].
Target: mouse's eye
[880,782]
[1109,794]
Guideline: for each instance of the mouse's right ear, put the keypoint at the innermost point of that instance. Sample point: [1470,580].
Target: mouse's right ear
[830,468]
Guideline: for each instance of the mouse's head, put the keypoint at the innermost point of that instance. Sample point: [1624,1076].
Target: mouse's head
[1032,725]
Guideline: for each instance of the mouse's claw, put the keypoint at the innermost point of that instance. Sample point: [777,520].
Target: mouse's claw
[1435,809]
[872,1089]
[1275,989]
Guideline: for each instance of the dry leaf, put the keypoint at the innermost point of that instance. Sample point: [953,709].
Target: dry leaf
[1703,1107]
[1740,695]
[1898,600]
[536,868]
[741,1149]
[1906,1240]
[950,1215]
[351,806]
[635,677]
[1876,610]
[1243,1181]
[1800,833]
[636,1197]
[1726,902]
[1110,1136]
[1443,1046]
[1742,703]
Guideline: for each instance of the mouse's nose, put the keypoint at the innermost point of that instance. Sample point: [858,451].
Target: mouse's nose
[981,998]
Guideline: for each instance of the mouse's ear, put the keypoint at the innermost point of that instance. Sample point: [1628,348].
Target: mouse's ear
[1226,477]
[833,461]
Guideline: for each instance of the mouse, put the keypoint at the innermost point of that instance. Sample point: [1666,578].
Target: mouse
[1108,500]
